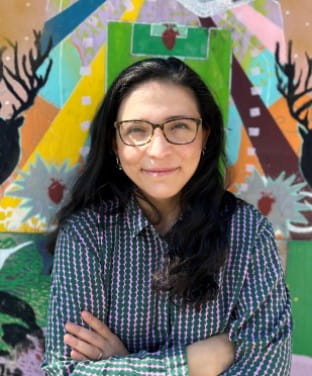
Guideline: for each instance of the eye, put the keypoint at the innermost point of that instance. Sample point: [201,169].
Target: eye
[135,129]
[179,125]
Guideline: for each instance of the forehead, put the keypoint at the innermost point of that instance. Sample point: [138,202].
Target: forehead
[157,100]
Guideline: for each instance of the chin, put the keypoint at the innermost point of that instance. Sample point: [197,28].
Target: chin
[161,196]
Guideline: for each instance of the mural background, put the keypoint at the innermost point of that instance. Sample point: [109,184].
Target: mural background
[268,137]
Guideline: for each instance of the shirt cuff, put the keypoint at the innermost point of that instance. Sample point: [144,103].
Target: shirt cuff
[176,361]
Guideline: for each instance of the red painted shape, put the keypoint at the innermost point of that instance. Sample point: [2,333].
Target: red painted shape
[169,36]
[39,357]
[265,203]
[56,191]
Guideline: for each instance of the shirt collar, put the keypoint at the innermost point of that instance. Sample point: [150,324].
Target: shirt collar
[135,218]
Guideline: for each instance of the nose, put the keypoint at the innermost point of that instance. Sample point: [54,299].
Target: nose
[158,146]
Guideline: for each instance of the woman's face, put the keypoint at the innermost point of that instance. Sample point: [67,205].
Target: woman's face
[159,169]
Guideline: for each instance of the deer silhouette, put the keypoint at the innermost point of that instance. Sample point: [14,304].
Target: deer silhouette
[23,73]
[299,104]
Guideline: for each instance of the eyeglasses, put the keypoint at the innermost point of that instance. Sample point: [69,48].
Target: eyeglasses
[178,131]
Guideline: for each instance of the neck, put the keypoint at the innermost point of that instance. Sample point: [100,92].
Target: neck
[168,209]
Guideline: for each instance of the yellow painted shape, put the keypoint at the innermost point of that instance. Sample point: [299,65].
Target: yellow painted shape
[65,136]
[132,15]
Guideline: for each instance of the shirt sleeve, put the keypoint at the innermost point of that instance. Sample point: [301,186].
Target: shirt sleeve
[78,284]
[261,325]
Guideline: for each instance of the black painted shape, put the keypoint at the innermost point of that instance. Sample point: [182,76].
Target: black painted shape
[299,103]
[9,146]
[306,155]
[24,74]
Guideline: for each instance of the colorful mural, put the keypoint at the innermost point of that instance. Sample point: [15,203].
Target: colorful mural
[24,289]
[54,68]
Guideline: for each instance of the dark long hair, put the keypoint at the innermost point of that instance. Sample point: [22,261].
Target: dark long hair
[197,242]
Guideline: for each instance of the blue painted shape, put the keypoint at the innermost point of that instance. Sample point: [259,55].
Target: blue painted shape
[64,75]
[266,78]
[233,135]
[64,23]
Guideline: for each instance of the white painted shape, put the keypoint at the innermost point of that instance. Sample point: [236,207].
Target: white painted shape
[255,71]
[86,101]
[249,167]
[251,151]
[7,252]
[254,112]
[85,125]
[84,151]
[255,90]
[87,42]
[253,131]
[85,71]
[206,8]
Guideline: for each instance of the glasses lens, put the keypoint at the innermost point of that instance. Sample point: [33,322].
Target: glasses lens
[135,132]
[181,131]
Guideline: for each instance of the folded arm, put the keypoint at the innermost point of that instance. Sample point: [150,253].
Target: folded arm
[262,325]
[78,284]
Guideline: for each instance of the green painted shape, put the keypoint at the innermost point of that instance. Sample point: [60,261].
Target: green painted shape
[299,281]
[118,47]
[146,44]
[215,70]
[22,276]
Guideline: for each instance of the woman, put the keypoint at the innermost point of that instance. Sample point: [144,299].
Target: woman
[158,269]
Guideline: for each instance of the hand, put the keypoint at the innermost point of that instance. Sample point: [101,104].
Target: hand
[95,344]
[210,357]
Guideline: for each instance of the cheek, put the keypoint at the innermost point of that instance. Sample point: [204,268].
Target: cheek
[192,157]
[195,150]
[129,157]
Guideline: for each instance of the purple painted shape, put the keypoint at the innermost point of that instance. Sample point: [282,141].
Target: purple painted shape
[92,33]
[155,11]
[241,38]
[273,12]
[301,365]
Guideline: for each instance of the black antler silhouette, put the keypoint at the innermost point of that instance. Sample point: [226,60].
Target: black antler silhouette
[31,82]
[24,73]
[290,89]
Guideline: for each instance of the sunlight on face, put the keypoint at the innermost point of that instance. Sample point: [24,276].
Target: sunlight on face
[159,169]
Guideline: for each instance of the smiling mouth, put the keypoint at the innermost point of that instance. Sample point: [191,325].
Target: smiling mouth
[160,172]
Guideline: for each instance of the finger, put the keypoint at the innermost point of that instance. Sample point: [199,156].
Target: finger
[76,355]
[96,324]
[83,348]
[85,335]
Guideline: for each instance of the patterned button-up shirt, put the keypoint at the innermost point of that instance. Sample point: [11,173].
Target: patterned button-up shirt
[104,263]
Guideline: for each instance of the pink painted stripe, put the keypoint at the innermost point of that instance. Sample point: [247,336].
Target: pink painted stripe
[267,32]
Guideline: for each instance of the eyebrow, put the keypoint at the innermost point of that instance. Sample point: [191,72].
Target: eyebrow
[173,117]
[182,116]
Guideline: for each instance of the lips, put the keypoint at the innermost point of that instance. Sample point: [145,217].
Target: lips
[160,171]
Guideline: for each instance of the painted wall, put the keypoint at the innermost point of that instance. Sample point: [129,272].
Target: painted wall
[44,123]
